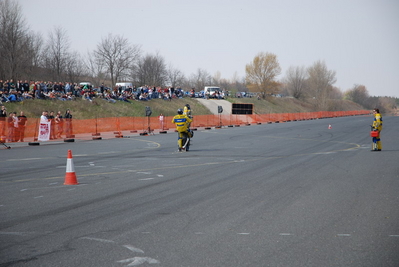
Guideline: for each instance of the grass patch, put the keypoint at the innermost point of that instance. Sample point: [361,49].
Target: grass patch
[83,109]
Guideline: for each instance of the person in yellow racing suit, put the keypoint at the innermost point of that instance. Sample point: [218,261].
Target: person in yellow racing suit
[377,125]
[187,112]
[182,123]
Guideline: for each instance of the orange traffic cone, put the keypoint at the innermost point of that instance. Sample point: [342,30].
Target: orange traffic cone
[70,176]
[329,126]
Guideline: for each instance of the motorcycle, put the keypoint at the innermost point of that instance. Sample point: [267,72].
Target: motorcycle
[183,141]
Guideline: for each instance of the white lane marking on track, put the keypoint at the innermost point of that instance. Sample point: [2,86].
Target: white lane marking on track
[15,233]
[85,166]
[207,131]
[146,179]
[393,235]
[139,260]
[152,145]
[134,249]
[343,235]
[24,159]
[39,197]
[285,234]
[242,233]
[98,239]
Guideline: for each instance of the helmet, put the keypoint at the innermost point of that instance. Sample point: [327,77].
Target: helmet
[180,111]
[188,106]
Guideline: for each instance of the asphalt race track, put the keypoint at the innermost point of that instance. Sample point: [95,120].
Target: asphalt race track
[281,194]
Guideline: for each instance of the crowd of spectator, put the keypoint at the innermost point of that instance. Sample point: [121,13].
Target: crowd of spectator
[15,126]
[11,91]
[143,93]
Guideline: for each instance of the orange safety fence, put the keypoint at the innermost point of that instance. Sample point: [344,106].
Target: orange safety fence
[117,125]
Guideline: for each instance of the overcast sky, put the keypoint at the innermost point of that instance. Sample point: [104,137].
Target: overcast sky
[359,39]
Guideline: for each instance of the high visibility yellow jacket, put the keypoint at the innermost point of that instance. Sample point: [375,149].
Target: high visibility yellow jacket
[182,122]
[377,123]
[187,111]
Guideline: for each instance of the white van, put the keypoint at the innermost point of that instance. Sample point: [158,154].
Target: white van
[211,90]
[124,85]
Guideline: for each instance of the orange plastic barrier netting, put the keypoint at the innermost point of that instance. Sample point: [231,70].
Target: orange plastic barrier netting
[120,124]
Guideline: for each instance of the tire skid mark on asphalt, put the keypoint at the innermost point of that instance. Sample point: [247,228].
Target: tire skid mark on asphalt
[134,249]
[18,233]
[127,171]
[177,166]
[354,146]
[152,145]
[55,184]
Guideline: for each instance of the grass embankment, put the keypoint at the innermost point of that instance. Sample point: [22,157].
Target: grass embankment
[83,109]
[292,105]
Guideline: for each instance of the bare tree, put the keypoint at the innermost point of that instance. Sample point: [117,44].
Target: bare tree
[358,94]
[13,40]
[335,93]
[217,78]
[261,74]
[75,68]
[151,70]
[34,53]
[95,68]
[175,77]
[235,78]
[320,83]
[295,81]
[117,55]
[57,54]
[36,46]
[200,79]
